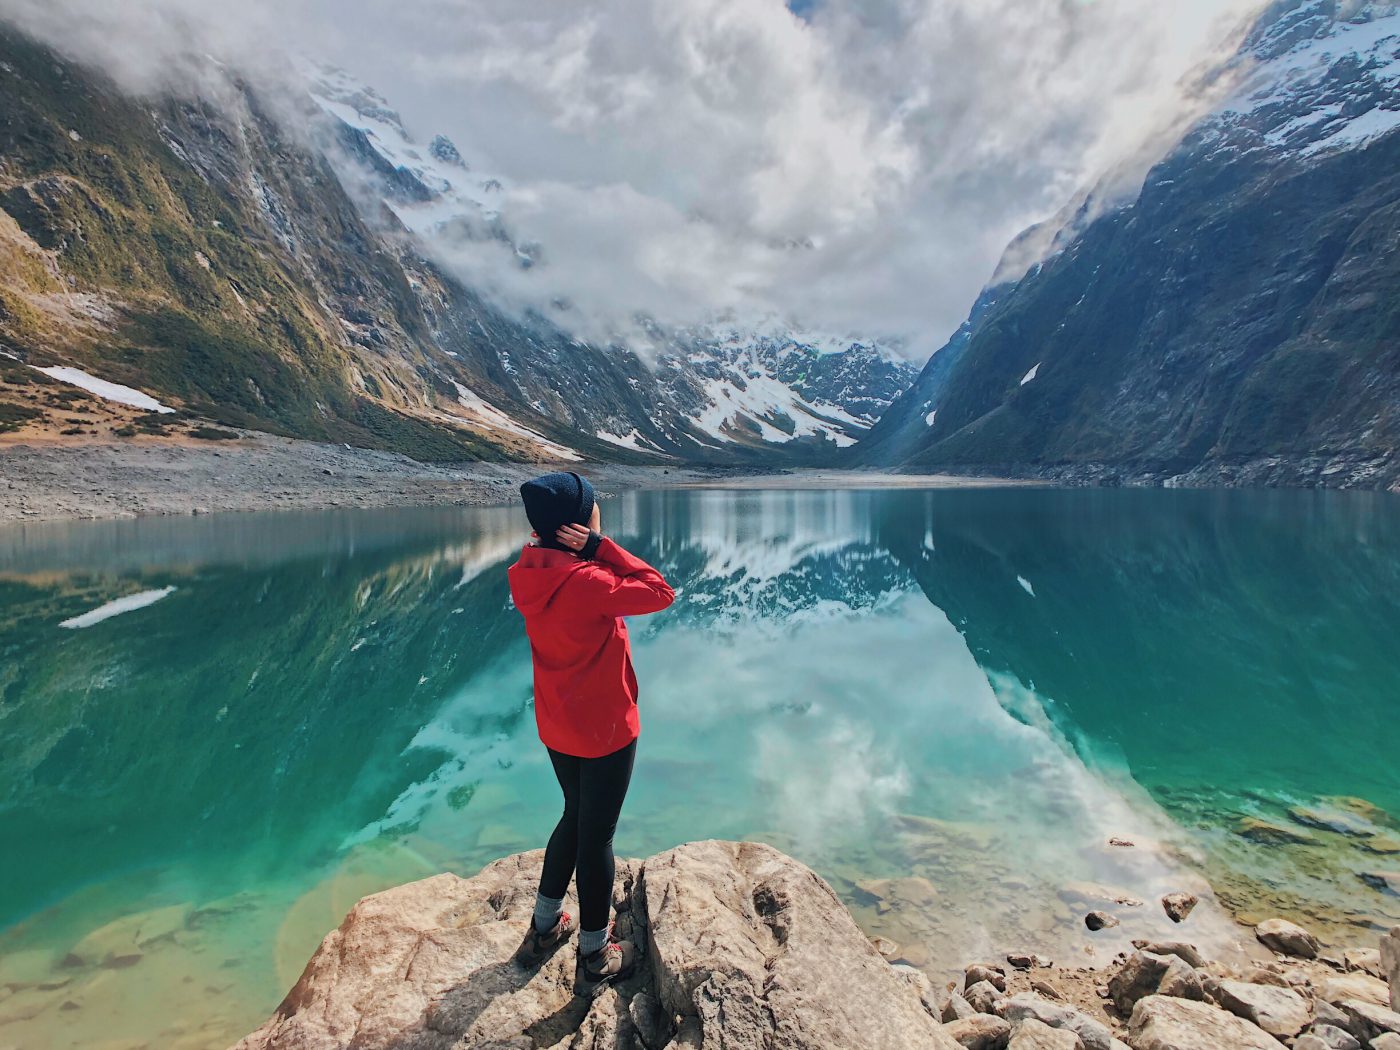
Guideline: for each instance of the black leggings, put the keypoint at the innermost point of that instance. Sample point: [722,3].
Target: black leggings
[593,792]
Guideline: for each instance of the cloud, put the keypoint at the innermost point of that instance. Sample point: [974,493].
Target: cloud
[858,168]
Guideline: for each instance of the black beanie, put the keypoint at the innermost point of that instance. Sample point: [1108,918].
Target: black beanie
[556,499]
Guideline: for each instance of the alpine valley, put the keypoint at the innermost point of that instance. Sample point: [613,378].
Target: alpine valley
[229,259]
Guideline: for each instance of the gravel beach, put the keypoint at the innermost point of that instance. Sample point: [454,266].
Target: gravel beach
[45,481]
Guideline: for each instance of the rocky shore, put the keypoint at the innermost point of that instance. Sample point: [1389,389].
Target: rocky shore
[44,481]
[745,948]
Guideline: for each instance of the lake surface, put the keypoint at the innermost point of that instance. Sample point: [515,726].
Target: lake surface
[217,733]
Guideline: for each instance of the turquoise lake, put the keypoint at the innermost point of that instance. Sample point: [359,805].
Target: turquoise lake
[217,733]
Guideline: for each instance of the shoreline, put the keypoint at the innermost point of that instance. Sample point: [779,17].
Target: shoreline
[53,481]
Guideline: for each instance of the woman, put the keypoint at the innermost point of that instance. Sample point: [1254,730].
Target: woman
[573,585]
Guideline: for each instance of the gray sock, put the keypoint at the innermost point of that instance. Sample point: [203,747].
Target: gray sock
[590,941]
[547,911]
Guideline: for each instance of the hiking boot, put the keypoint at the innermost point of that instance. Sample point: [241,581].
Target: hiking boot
[536,945]
[610,963]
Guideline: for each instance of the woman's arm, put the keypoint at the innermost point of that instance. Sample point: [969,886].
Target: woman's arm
[618,583]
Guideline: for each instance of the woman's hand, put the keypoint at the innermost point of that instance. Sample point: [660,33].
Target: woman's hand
[572,536]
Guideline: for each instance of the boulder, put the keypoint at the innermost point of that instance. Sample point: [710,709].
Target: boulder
[744,948]
[957,1008]
[1279,1011]
[1144,973]
[1094,1035]
[1366,1021]
[1331,1037]
[1354,986]
[979,972]
[1309,1042]
[1161,1022]
[1179,905]
[1181,949]
[983,997]
[1286,938]
[979,1032]
[1100,920]
[1390,965]
[1389,1041]
[1180,980]
[1365,959]
[1030,1034]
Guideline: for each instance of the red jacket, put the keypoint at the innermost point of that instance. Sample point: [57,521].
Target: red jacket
[585,688]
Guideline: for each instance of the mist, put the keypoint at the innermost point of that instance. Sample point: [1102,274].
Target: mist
[857,169]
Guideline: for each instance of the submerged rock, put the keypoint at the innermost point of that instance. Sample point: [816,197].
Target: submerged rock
[1179,905]
[744,948]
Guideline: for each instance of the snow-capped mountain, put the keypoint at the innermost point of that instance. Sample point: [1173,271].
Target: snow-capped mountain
[723,387]
[1228,324]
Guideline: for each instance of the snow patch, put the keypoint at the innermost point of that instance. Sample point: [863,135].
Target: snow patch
[489,414]
[130,603]
[1035,368]
[1026,585]
[123,395]
[928,419]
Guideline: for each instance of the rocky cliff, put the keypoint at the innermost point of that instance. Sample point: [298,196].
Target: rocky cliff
[1234,322]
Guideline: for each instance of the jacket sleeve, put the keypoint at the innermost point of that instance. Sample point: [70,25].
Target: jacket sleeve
[618,583]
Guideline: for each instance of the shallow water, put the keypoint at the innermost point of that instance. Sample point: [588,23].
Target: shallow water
[947,702]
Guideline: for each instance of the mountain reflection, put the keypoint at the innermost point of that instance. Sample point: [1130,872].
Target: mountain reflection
[968,688]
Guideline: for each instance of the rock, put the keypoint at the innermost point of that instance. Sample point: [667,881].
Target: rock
[979,1032]
[1181,980]
[978,972]
[1387,882]
[1046,989]
[1027,961]
[1331,1037]
[1354,986]
[957,1008]
[1100,920]
[1309,1042]
[1325,1013]
[759,920]
[1367,1020]
[1161,1022]
[1286,938]
[1390,965]
[745,948]
[1138,977]
[983,997]
[1367,960]
[1384,845]
[1180,949]
[1260,975]
[886,947]
[1262,831]
[922,987]
[1094,1035]
[1334,820]
[1279,1011]
[1032,1035]
[1080,893]
[1179,905]
[1389,1041]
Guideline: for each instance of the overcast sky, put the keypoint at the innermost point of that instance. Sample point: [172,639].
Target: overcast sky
[857,167]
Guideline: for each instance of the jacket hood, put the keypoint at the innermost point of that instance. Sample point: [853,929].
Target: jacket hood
[538,574]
